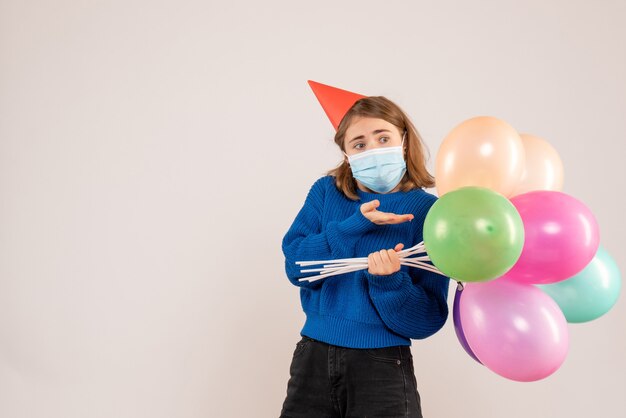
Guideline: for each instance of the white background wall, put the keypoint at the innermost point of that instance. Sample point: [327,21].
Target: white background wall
[154,153]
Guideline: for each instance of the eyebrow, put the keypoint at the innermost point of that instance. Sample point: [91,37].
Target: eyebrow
[377,131]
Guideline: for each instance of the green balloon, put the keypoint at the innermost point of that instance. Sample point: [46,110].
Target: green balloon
[589,294]
[473,234]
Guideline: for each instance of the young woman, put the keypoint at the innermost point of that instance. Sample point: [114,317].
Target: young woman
[354,358]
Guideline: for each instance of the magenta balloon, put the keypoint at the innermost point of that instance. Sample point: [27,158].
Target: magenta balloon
[515,330]
[560,237]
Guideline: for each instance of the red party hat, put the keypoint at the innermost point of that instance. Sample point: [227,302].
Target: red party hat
[335,102]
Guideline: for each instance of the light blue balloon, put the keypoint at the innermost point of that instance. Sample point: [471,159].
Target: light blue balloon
[589,294]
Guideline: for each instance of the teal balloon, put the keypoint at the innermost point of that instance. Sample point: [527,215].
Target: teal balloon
[473,234]
[589,294]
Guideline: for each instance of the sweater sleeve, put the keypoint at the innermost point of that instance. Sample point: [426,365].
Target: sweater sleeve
[412,304]
[307,239]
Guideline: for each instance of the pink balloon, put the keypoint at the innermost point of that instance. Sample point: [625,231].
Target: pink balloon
[515,330]
[560,237]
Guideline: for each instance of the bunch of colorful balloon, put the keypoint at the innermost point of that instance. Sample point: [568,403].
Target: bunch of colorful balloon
[529,254]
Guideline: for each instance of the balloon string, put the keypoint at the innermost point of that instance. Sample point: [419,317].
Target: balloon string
[347,265]
[417,249]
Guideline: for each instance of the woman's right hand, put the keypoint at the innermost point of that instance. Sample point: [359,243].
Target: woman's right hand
[382,218]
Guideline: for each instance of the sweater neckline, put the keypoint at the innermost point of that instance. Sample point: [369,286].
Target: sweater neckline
[380,196]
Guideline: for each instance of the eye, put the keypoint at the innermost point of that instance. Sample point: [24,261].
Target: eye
[359,145]
[384,139]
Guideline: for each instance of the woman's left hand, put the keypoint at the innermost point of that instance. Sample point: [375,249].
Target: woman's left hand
[384,262]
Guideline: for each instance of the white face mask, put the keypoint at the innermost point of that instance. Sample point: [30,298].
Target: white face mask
[379,169]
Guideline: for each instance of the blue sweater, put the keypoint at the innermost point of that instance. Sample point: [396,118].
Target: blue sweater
[358,309]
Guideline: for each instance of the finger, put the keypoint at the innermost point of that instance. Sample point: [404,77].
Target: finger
[399,247]
[384,256]
[377,260]
[371,267]
[395,260]
[386,218]
[396,219]
[371,262]
[392,261]
[393,256]
[378,267]
[384,266]
[370,206]
[390,215]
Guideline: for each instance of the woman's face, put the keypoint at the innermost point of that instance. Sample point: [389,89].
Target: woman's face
[369,133]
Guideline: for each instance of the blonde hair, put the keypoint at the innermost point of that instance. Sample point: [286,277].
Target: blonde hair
[380,107]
